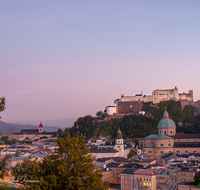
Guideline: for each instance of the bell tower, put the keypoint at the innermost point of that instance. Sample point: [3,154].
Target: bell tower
[119,143]
[40,130]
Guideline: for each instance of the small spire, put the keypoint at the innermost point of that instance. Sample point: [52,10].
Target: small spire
[119,131]
[165,115]
[41,125]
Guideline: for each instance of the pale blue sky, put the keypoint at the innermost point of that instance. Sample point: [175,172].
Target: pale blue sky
[62,59]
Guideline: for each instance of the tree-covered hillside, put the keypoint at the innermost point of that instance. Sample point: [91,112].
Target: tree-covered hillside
[137,125]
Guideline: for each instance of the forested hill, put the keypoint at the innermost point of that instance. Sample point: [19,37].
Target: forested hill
[138,125]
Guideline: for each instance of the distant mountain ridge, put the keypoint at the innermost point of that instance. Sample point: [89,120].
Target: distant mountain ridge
[61,123]
[7,128]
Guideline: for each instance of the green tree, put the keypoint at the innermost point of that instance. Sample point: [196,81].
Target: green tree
[17,154]
[71,167]
[99,113]
[2,104]
[104,115]
[132,153]
[3,164]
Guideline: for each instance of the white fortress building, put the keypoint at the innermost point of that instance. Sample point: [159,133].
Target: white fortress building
[133,104]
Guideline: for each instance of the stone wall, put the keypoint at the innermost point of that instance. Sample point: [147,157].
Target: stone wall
[129,107]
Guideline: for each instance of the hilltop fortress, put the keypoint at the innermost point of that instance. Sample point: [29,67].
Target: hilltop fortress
[133,104]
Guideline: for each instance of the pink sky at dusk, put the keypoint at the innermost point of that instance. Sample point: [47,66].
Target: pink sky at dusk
[64,59]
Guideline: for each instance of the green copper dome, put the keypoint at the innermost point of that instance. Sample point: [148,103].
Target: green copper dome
[166,123]
[119,131]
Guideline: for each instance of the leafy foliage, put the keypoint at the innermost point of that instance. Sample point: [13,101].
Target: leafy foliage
[99,113]
[134,126]
[3,164]
[71,167]
[132,153]
[2,104]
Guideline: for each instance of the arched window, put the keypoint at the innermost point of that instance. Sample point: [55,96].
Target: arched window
[161,144]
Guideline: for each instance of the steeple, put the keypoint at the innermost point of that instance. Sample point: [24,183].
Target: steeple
[119,134]
[40,128]
[165,115]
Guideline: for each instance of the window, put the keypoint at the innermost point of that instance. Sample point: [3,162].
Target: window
[149,179]
[161,144]
[149,151]
[144,179]
[171,132]
[160,132]
[161,152]
[169,144]
[186,151]
[122,181]
[165,132]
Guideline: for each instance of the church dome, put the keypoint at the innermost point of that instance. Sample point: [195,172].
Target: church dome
[166,122]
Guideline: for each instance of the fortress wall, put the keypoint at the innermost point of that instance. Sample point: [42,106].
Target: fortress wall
[131,106]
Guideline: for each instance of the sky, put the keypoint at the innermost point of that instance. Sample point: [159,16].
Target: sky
[67,59]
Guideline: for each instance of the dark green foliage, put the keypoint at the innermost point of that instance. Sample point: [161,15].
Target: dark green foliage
[71,167]
[137,126]
[85,126]
[2,104]
[10,142]
[132,153]
[99,113]
[132,126]
[172,107]
[3,164]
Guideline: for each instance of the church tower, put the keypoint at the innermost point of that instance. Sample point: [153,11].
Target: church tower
[40,130]
[119,143]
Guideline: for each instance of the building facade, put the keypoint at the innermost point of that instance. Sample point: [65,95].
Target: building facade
[167,140]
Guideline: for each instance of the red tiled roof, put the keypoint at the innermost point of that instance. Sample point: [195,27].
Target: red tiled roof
[144,172]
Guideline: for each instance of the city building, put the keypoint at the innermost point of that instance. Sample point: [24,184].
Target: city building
[167,140]
[133,104]
[117,150]
[31,134]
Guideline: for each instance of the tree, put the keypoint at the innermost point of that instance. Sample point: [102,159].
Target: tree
[17,154]
[3,164]
[104,115]
[2,104]
[71,167]
[99,113]
[131,154]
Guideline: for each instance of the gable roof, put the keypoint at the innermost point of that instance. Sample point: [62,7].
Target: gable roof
[145,172]
[103,150]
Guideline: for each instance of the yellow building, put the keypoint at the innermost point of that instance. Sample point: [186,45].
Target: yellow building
[167,140]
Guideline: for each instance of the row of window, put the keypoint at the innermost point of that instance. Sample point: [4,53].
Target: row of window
[126,187]
[181,186]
